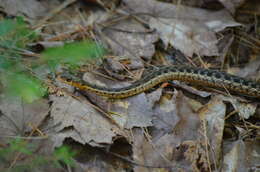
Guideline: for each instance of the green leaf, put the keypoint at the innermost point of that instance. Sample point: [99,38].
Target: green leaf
[6,26]
[73,53]
[20,145]
[24,86]
[64,154]
[14,33]
[5,63]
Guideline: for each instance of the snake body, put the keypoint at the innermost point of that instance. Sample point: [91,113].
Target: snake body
[192,75]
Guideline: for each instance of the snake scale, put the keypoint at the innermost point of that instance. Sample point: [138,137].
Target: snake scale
[191,75]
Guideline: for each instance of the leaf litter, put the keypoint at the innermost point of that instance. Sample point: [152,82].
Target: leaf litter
[167,130]
[175,26]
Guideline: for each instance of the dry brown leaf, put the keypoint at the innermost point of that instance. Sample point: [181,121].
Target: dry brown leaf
[130,40]
[64,22]
[191,32]
[155,154]
[213,116]
[224,45]
[195,105]
[244,109]
[182,36]
[93,159]
[175,124]
[195,153]
[176,115]
[30,8]
[18,117]
[251,70]
[131,112]
[165,114]
[241,156]
[154,97]
[127,113]
[80,121]
[139,112]
[232,5]
[188,126]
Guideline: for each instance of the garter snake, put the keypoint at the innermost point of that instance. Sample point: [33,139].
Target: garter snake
[191,75]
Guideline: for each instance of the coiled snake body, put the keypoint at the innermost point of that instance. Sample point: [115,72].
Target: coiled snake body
[191,75]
